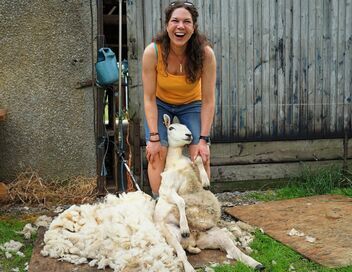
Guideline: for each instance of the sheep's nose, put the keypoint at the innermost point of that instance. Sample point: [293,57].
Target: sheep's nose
[189,136]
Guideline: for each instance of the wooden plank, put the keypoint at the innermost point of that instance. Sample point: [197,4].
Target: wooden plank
[278,151]
[225,94]
[334,30]
[216,39]
[281,67]
[319,67]
[288,62]
[341,65]
[265,60]
[207,18]
[249,68]
[273,69]
[296,58]
[257,96]
[242,47]
[348,69]
[304,34]
[267,171]
[311,69]
[326,94]
[275,152]
[233,69]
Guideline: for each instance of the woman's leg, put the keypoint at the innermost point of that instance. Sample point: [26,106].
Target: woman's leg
[155,169]
[157,166]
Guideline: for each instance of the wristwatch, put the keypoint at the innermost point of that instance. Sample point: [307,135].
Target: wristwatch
[205,138]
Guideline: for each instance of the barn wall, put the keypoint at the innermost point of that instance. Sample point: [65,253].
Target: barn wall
[45,52]
[284,85]
[284,68]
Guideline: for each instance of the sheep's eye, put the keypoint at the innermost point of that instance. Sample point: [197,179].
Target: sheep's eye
[171,128]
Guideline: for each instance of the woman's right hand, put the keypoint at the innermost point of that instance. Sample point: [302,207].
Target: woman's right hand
[152,150]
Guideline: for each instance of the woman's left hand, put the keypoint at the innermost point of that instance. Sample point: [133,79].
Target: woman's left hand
[203,151]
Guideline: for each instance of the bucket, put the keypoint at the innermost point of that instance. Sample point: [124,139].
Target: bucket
[106,67]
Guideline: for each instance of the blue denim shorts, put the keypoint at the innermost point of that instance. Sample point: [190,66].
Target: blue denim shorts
[187,114]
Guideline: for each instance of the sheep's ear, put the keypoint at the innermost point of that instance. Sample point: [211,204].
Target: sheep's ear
[167,120]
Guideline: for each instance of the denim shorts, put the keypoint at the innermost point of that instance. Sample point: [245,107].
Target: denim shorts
[187,114]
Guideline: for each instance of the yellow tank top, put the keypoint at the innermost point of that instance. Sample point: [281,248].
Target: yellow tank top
[174,89]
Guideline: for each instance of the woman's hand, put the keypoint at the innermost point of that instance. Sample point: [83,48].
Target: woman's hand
[204,151]
[153,150]
[201,149]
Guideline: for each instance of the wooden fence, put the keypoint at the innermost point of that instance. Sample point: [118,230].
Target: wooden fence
[284,72]
[284,67]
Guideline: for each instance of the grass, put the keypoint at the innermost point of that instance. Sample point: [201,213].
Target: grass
[8,228]
[274,255]
[311,182]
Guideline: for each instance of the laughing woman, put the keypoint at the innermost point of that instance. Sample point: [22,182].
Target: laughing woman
[179,74]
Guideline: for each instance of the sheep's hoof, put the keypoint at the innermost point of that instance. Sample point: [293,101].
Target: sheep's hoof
[185,234]
[260,267]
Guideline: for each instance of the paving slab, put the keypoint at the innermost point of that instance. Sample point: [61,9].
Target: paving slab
[39,263]
[327,218]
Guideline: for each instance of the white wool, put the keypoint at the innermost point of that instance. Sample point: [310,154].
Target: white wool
[27,231]
[12,246]
[43,221]
[119,233]
[294,232]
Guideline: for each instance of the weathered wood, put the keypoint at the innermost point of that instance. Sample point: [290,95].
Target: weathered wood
[348,69]
[279,151]
[284,67]
[275,152]
[311,72]
[274,171]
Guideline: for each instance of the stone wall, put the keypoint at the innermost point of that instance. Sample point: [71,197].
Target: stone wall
[45,51]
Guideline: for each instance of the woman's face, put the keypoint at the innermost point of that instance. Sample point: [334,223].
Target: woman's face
[180,27]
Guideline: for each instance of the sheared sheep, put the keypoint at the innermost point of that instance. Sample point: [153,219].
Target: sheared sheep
[197,210]
[119,232]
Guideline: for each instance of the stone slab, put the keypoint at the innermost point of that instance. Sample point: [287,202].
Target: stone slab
[328,218]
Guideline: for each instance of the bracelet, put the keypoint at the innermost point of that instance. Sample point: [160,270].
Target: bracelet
[153,133]
[154,141]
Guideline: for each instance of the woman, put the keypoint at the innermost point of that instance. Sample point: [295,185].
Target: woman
[179,74]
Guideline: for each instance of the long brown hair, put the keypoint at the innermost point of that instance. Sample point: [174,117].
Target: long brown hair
[195,45]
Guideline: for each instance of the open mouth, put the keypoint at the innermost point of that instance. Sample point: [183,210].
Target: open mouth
[180,34]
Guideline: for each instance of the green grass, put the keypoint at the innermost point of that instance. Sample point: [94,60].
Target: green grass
[311,182]
[8,228]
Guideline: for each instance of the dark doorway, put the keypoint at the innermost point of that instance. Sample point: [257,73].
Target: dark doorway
[111,174]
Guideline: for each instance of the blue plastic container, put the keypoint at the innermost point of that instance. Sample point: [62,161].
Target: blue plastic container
[106,67]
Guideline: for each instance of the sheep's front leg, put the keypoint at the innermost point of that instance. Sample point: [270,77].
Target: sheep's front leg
[218,238]
[203,174]
[171,234]
[180,203]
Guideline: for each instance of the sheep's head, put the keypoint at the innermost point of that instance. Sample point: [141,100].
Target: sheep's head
[177,134]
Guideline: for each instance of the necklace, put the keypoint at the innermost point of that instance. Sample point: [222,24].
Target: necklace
[179,60]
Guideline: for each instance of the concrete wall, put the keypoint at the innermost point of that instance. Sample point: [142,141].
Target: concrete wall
[45,50]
